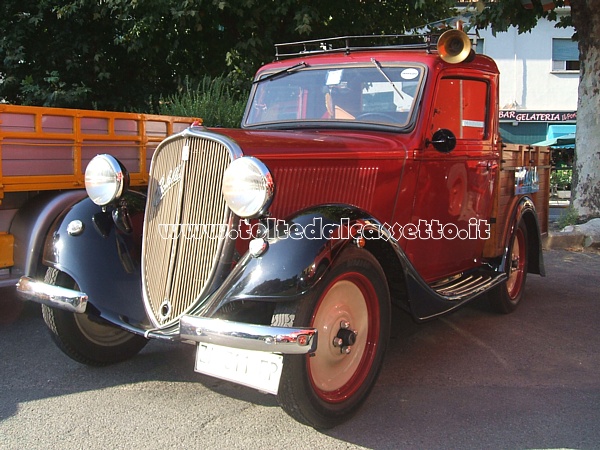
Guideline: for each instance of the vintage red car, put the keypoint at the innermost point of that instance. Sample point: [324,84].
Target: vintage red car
[362,178]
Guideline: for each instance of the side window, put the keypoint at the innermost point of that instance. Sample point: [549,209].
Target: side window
[461,106]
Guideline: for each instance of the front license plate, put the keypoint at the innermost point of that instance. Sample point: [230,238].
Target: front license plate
[258,370]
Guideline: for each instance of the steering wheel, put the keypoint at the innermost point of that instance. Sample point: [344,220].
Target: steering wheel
[377,117]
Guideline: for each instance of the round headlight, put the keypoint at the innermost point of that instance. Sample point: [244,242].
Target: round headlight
[248,187]
[105,179]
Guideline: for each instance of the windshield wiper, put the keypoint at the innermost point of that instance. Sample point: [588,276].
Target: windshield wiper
[281,72]
[376,63]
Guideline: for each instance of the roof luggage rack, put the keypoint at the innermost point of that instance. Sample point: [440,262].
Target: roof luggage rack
[349,44]
[453,46]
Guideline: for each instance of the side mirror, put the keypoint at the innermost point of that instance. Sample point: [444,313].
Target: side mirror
[443,140]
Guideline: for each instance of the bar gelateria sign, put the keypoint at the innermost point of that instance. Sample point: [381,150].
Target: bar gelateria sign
[538,116]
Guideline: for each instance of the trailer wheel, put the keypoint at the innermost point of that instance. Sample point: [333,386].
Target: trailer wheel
[506,297]
[351,311]
[86,340]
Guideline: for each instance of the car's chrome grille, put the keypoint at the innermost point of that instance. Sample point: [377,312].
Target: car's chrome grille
[185,215]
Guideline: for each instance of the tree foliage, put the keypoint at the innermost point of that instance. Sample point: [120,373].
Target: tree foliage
[117,54]
[502,14]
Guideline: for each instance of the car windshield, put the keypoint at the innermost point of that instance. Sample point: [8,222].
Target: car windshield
[371,93]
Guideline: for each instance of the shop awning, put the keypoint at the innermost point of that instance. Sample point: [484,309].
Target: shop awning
[559,136]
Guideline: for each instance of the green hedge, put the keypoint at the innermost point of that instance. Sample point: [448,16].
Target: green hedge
[212,99]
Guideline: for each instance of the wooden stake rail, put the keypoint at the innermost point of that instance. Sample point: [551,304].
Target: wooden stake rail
[515,157]
[49,148]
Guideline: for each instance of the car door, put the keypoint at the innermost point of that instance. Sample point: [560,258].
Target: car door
[453,199]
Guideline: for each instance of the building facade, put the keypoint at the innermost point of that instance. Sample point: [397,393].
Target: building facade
[539,79]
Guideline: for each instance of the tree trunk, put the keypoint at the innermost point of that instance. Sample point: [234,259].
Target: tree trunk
[586,173]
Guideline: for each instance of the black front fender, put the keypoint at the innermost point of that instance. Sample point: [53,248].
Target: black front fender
[299,251]
[102,254]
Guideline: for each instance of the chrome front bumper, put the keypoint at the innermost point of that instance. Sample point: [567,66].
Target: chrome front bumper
[247,336]
[55,296]
[226,333]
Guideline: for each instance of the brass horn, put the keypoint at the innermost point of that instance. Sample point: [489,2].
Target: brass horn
[454,46]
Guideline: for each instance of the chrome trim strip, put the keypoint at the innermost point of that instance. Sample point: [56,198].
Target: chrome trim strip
[54,296]
[246,336]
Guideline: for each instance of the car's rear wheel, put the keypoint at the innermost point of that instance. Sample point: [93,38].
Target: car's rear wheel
[87,340]
[351,312]
[506,297]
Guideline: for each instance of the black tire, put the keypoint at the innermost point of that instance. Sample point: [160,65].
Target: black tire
[326,389]
[87,341]
[506,297]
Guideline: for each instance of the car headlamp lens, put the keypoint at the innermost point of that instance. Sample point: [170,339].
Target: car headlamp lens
[248,187]
[106,179]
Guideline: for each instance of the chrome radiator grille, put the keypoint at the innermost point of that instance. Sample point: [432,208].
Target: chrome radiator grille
[185,215]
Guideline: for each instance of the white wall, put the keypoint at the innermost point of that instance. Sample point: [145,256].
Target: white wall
[525,62]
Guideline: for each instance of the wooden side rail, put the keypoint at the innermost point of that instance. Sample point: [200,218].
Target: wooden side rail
[513,158]
[49,148]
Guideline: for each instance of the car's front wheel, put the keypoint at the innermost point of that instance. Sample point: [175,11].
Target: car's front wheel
[86,340]
[351,312]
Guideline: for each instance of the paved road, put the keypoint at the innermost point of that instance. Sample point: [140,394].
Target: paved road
[470,380]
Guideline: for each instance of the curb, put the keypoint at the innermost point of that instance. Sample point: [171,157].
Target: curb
[562,240]
[577,236]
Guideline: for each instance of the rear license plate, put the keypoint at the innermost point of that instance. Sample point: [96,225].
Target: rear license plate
[258,370]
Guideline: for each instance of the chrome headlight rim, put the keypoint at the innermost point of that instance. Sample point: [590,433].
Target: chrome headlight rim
[106,179]
[248,187]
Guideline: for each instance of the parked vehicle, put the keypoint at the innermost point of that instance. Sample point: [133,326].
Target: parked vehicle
[362,179]
[44,153]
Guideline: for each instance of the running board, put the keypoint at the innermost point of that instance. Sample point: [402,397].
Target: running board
[466,285]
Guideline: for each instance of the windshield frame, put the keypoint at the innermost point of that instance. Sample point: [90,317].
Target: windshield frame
[267,75]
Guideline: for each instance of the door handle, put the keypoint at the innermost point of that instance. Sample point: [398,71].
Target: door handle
[489,165]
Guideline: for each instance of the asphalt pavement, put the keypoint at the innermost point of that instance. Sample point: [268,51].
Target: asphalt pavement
[473,379]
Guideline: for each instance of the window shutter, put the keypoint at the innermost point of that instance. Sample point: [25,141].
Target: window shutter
[564,50]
